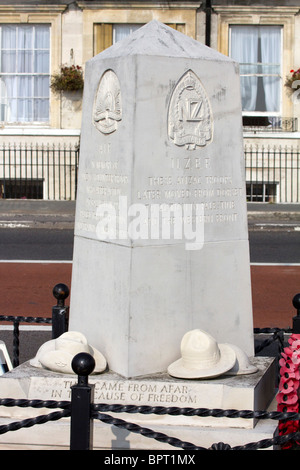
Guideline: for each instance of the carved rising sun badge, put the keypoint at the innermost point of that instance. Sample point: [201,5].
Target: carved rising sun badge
[190,117]
[107,106]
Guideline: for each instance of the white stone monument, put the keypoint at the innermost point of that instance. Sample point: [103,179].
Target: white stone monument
[161,147]
[161,238]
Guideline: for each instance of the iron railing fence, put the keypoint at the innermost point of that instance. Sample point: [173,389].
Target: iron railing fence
[59,320]
[29,171]
[272,173]
[51,172]
[276,124]
[83,411]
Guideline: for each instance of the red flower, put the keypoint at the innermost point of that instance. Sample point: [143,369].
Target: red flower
[288,427]
[283,407]
[294,341]
[288,398]
[290,368]
[288,386]
[294,336]
[287,374]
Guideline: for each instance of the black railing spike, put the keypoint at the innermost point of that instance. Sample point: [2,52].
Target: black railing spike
[60,312]
[296,318]
[81,437]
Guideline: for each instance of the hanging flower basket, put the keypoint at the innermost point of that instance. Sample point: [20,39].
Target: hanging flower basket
[291,79]
[70,78]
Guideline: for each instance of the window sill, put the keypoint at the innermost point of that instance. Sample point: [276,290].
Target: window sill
[272,135]
[38,131]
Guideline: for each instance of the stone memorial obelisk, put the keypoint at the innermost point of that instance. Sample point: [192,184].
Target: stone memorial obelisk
[161,238]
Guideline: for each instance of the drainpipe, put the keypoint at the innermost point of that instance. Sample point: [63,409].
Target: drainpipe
[207,22]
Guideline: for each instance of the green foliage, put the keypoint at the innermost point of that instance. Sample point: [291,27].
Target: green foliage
[70,78]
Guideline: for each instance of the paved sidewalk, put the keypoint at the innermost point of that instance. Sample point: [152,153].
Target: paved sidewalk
[273,216]
[61,214]
[16,213]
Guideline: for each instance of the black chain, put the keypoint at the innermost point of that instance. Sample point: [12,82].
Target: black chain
[175,442]
[158,436]
[265,443]
[269,330]
[20,319]
[277,335]
[27,423]
[98,409]
[23,403]
[203,412]
[16,333]
[157,410]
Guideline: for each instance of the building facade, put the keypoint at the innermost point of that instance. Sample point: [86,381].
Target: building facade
[37,38]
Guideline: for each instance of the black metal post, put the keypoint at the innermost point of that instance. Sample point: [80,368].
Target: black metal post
[207,22]
[16,342]
[60,312]
[82,395]
[296,319]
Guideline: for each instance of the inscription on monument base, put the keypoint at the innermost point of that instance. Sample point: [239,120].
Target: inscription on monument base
[224,392]
[150,393]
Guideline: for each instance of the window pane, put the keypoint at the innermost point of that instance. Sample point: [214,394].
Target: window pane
[249,93]
[258,50]
[8,61]
[244,44]
[41,62]
[249,69]
[12,110]
[270,69]
[42,37]
[121,31]
[41,87]
[25,57]
[24,62]
[25,113]
[25,88]
[24,37]
[9,37]
[272,95]
[41,110]
[255,69]
[10,87]
[270,43]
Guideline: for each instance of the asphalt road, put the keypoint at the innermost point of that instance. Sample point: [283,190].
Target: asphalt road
[41,244]
[36,244]
[274,246]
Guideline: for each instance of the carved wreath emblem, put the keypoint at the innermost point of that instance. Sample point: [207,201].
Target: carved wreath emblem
[189,117]
[107,109]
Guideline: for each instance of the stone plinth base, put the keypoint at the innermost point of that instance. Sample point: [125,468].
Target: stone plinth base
[248,392]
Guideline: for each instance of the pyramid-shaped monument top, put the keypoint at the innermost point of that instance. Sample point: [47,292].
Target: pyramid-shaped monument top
[157,39]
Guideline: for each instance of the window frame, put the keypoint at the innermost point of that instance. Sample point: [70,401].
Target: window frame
[40,14]
[262,191]
[132,26]
[31,74]
[104,33]
[280,75]
[255,14]
[182,14]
